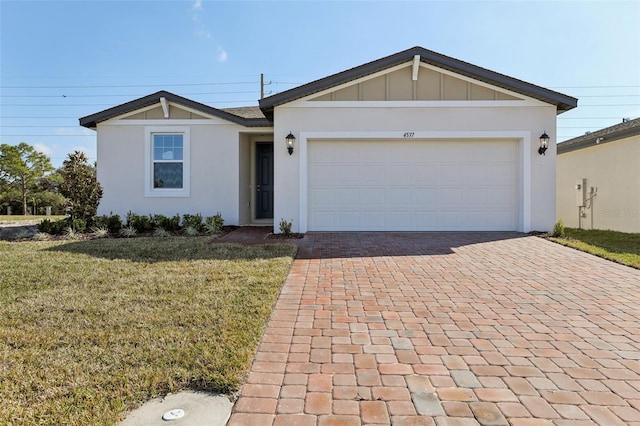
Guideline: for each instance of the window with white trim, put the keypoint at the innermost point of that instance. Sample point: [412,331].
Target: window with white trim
[167,161]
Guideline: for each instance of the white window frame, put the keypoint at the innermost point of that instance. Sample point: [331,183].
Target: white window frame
[149,190]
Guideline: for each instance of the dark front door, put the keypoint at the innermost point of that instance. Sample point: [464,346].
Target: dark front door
[264,180]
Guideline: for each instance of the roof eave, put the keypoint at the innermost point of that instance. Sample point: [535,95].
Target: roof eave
[562,102]
[592,140]
[91,121]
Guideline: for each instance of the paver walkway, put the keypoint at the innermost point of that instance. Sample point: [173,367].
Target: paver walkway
[447,329]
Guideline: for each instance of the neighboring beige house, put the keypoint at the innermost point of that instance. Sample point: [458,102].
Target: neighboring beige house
[413,141]
[598,183]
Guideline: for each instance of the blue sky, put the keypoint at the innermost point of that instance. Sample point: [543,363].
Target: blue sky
[61,60]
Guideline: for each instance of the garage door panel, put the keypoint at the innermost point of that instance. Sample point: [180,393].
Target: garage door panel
[348,197]
[398,174]
[399,220]
[374,220]
[323,197]
[449,174]
[348,219]
[500,198]
[450,220]
[499,172]
[323,220]
[400,196]
[373,196]
[422,173]
[413,185]
[450,198]
[425,220]
[347,173]
[425,196]
[322,173]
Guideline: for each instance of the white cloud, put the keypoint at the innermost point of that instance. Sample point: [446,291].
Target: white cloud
[45,149]
[222,55]
[196,12]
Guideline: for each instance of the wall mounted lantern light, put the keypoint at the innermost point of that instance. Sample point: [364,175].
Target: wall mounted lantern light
[544,143]
[290,141]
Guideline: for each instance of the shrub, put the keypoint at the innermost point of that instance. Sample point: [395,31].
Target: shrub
[53,227]
[41,236]
[192,220]
[285,227]
[79,225]
[59,227]
[141,223]
[70,233]
[128,232]
[213,224]
[191,231]
[558,229]
[112,222]
[99,232]
[169,224]
[161,232]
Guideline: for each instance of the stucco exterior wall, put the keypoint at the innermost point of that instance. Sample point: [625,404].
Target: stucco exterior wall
[214,169]
[537,172]
[614,169]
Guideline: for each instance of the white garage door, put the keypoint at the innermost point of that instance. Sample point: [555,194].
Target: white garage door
[465,185]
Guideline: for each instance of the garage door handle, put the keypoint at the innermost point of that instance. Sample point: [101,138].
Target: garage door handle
[258,188]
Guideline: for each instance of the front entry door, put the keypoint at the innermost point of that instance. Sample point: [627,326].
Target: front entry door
[264,180]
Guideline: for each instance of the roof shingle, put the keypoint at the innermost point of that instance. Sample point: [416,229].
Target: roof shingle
[608,134]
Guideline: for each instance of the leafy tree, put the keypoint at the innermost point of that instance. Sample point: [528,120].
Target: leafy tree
[80,186]
[21,166]
[42,199]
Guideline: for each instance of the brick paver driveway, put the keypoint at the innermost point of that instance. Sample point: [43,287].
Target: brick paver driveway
[447,329]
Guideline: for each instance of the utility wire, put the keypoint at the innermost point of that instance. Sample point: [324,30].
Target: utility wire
[123,95]
[111,86]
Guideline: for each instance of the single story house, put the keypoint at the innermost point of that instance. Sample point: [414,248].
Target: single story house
[598,184]
[415,141]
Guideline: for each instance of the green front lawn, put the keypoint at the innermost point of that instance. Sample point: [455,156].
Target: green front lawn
[28,218]
[91,329]
[617,246]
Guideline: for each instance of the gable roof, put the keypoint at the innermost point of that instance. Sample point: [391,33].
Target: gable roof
[608,134]
[239,117]
[562,102]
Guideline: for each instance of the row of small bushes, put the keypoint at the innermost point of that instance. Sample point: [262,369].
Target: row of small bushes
[134,224]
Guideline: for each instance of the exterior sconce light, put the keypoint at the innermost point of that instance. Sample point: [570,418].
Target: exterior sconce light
[544,143]
[290,141]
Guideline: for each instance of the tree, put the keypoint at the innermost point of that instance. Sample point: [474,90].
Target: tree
[21,166]
[80,187]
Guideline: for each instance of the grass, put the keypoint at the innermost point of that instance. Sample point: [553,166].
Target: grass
[28,218]
[91,329]
[620,247]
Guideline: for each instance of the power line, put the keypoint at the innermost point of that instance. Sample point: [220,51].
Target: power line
[123,95]
[99,105]
[111,86]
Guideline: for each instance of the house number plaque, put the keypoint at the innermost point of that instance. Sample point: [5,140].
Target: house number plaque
[408,134]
